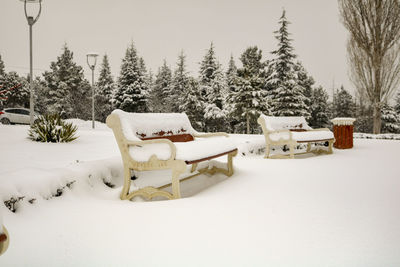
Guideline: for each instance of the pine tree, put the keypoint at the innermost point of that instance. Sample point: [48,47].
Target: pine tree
[67,89]
[319,108]
[343,104]
[2,68]
[306,82]
[251,98]
[161,89]
[390,120]
[232,89]
[131,95]
[212,84]
[104,92]
[192,104]
[19,94]
[179,84]
[286,93]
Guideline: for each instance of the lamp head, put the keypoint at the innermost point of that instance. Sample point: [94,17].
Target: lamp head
[91,58]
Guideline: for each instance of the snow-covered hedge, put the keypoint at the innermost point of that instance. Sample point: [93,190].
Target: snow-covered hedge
[377,136]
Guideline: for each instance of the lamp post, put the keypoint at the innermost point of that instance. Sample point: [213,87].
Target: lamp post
[91,59]
[31,20]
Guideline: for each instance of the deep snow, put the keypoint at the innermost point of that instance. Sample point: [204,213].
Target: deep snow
[328,210]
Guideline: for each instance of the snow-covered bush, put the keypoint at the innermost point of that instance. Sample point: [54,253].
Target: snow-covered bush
[51,128]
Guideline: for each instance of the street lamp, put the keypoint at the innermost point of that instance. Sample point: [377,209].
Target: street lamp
[91,59]
[31,20]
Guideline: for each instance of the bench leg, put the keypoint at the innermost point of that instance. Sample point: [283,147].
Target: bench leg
[127,183]
[267,150]
[330,150]
[291,149]
[178,168]
[308,147]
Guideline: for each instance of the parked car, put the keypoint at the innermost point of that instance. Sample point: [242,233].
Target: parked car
[15,115]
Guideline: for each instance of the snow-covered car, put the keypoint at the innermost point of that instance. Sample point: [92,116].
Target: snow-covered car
[15,115]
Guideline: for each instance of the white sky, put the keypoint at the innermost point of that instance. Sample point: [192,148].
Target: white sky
[160,29]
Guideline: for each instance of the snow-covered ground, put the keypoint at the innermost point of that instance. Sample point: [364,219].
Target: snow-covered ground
[328,210]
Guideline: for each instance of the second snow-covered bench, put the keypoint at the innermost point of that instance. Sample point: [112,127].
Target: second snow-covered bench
[156,141]
[290,131]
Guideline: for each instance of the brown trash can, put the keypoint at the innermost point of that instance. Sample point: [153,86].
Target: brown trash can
[343,132]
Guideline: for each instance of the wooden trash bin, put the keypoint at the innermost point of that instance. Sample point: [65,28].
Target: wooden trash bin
[343,132]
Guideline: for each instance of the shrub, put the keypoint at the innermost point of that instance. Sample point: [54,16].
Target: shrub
[51,128]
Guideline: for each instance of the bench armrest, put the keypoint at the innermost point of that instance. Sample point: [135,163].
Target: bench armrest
[201,135]
[155,141]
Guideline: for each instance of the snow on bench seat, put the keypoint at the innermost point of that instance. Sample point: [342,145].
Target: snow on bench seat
[154,141]
[290,131]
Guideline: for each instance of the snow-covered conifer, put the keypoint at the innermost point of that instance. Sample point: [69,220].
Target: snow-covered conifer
[212,85]
[104,91]
[286,93]
[130,94]
[192,104]
[319,108]
[179,84]
[390,120]
[343,104]
[68,90]
[159,95]
[19,95]
[306,82]
[251,97]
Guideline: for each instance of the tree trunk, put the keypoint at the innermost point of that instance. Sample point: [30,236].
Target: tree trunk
[248,123]
[377,119]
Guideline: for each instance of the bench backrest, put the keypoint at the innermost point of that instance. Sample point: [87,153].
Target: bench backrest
[285,123]
[146,126]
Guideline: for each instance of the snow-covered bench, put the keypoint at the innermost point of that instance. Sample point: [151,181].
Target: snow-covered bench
[290,131]
[156,141]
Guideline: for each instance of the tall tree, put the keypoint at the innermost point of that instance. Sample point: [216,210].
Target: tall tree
[286,93]
[179,83]
[192,104]
[319,108]
[232,89]
[67,89]
[161,89]
[305,81]
[212,84]
[373,48]
[343,104]
[16,90]
[104,93]
[131,94]
[251,98]
[2,68]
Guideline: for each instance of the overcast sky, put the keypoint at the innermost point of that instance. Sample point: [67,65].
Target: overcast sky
[161,29]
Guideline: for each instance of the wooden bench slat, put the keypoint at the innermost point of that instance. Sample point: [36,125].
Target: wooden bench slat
[208,158]
[3,237]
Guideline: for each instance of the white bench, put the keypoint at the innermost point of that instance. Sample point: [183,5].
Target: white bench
[156,141]
[291,131]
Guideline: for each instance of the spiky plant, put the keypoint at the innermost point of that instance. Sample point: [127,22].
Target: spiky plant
[51,128]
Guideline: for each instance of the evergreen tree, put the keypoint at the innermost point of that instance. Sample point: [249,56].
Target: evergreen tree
[130,94]
[2,68]
[286,93]
[390,120]
[179,84]
[319,108]
[192,105]
[306,82]
[232,89]
[343,104]
[251,98]
[161,89]
[19,94]
[212,84]
[104,92]
[67,89]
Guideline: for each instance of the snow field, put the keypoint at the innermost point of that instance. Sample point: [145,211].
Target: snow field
[327,210]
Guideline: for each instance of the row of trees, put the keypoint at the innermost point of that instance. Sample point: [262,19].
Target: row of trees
[216,100]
